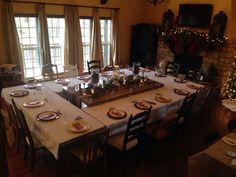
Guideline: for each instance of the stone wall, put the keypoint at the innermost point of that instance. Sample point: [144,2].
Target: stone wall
[221,57]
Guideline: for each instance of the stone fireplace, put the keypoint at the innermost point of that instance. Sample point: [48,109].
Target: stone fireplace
[221,57]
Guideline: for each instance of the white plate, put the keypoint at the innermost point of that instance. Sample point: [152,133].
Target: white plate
[33,104]
[62,81]
[229,141]
[47,116]
[19,93]
[77,126]
[162,99]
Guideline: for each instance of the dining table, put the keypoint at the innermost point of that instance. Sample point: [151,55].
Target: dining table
[54,134]
[215,159]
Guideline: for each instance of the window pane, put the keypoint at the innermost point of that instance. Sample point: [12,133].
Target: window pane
[85,25]
[106,40]
[27,31]
[56,29]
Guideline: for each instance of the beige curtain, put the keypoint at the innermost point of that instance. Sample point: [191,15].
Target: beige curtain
[13,49]
[96,41]
[73,39]
[43,34]
[114,38]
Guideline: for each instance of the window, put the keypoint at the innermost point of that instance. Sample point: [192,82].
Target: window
[106,40]
[56,30]
[29,39]
[28,36]
[85,25]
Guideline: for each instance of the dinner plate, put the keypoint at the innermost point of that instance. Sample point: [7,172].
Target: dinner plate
[84,78]
[62,81]
[47,116]
[162,99]
[181,92]
[116,114]
[143,105]
[229,141]
[194,87]
[178,80]
[31,86]
[106,74]
[159,75]
[77,126]
[33,104]
[19,93]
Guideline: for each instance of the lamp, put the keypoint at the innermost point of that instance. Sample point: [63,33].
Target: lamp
[155,1]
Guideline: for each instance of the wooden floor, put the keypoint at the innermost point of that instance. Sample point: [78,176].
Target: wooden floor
[157,160]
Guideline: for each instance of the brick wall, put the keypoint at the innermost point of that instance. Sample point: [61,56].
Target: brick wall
[221,57]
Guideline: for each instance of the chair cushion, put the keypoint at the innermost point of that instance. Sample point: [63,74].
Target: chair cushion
[118,140]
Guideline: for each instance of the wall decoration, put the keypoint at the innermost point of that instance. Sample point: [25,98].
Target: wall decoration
[217,29]
[167,21]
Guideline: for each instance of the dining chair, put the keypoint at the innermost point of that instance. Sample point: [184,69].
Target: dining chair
[88,153]
[172,68]
[173,123]
[232,125]
[3,158]
[193,75]
[30,142]
[14,129]
[93,64]
[132,138]
[211,137]
[70,71]
[50,72]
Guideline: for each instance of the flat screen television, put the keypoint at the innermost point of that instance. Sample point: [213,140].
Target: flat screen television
[195,15]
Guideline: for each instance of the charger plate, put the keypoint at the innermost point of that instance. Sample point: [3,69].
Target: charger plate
[77,126]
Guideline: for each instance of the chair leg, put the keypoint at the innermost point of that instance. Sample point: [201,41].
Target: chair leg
[26,149]
[104,166]
[17,143]
[32,160]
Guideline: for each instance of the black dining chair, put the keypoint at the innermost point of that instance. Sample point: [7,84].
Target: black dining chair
[132,138]
[93,64]
[30,142]
[88,153]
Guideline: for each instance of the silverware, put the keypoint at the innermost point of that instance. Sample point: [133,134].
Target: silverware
[153,103]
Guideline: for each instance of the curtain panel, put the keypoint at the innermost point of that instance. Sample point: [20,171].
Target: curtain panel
[43,34]
[13,48]
[96,41]
[73,40]
[114,59]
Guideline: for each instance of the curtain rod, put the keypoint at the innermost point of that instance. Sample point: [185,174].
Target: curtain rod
[61,4]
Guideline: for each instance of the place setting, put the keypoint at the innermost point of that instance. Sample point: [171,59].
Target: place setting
[194,87]
[159,74]
[62,81]
[32,85]
[181,92]
[162,98]
[77,126]
[33,104]
[179,80]
[116,113]
[143,105]
[48,116]
[19,93]
[85,78]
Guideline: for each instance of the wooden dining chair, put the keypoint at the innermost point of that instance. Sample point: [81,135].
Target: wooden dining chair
[132,138]
[93,64]
[70,71]
[30,142]
[3,158]
[172,68]
[232,125]
[88,153]
[173,123]
[50,72]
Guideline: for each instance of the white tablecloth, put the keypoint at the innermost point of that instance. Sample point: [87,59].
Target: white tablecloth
[53,133]
[127,104]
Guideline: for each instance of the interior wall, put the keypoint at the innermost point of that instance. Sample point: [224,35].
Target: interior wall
[2,46]
[131,13]
[154,13]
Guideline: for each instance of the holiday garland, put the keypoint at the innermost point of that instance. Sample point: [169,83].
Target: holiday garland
[183,41]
